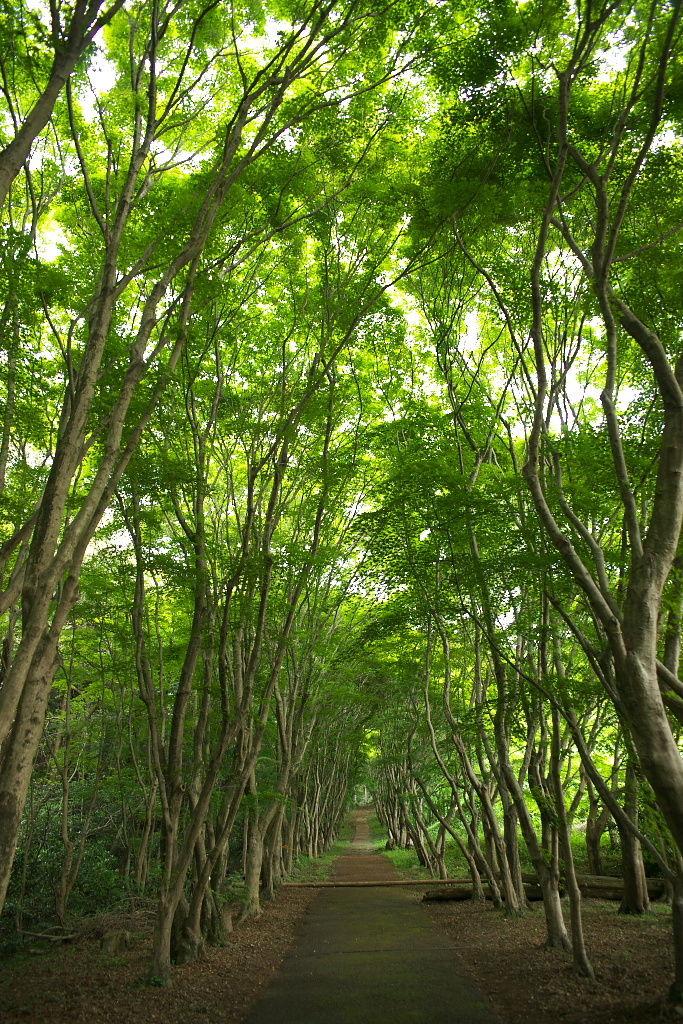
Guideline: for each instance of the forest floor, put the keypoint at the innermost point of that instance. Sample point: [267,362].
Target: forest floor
[527,984]
[80,983]
[523,982]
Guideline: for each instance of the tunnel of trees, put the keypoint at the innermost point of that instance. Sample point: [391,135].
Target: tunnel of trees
[341,444]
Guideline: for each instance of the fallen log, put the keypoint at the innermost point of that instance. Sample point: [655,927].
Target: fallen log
[460,893]
[50,938]
[655,886]
[361,885]
[611,887]
[595,887]
[598,887]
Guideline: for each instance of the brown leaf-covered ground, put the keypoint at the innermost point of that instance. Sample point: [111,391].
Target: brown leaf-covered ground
[80,983]
[527,984]
[524,982]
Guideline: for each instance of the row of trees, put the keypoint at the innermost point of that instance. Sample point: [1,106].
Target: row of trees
[347,400]
[182,437]
[530,524]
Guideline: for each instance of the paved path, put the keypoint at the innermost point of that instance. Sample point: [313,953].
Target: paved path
[370,956]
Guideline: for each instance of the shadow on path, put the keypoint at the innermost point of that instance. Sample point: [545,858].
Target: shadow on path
[370,956]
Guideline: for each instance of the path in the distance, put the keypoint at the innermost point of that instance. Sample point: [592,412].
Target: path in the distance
[370,956]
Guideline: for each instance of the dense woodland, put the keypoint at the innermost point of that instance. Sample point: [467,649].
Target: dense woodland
[341,446]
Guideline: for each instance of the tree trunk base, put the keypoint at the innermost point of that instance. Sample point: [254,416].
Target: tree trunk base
[249,910]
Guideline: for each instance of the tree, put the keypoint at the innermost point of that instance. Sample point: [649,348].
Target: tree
[585,141]
[121,336]
[37,62]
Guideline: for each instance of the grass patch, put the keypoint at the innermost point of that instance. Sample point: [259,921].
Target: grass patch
[317,869]
[405,861]
[378,834]
[407,864]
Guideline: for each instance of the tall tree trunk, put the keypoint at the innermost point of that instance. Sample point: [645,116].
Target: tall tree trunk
[580,956]
[636,899]
[18,756]
[252,873]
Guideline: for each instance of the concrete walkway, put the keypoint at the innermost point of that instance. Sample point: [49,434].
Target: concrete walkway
[370,956]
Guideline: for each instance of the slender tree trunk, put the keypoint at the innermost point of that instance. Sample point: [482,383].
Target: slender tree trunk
[636,899]
[548,874]
[510,834]
[581,961]
[290,838]
[596,823]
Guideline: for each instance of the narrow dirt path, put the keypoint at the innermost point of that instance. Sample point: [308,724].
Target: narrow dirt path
[370,956]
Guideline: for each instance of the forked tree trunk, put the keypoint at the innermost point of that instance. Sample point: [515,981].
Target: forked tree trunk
[596,823]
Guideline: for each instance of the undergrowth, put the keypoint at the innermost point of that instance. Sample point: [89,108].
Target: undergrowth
[317,869]
[406,862]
